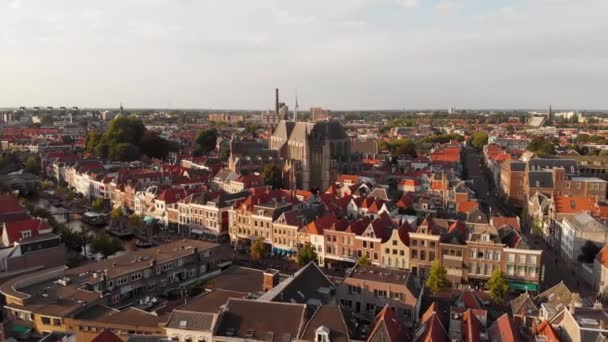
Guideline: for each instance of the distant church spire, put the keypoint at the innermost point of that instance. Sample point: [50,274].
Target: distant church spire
[295,111]
[122,110]
[550,116]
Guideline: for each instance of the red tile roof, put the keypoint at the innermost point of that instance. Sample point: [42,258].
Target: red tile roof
[504,329]
[602,256]
[574,205]
[471,330]
[10,205]
[106,336]
[467,206]
[348,179]
[170,196]
[545,329]
[500,221]
[14,229]
[395,328]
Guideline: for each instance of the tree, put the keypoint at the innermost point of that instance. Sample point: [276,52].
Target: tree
[154,146]
[125,130]
[271,175]
[116,213]
[124,152]
[438,278]
[588,252]
[498,286]
[404,147]
[32,165]
[306,254]
[541,146]
[537,228]
[206,140]
[479,140]
[71,239]
[46,184]
[92,140]
[134,220]
[363,260]
[98,204]
[103,244]
[257,249]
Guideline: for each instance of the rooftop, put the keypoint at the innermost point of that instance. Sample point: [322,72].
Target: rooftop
[379,274]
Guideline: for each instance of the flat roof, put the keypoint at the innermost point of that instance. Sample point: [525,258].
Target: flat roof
[379,274]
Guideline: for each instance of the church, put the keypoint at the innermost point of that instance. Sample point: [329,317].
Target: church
[313,153]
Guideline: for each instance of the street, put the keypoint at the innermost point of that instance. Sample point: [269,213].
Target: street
[481,182]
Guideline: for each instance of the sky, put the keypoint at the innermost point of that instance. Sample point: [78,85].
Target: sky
[337,54]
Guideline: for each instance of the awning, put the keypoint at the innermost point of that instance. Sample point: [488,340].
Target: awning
[149,219]
[523,286]
[197,231]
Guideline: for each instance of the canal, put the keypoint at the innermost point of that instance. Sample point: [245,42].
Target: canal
[76,225]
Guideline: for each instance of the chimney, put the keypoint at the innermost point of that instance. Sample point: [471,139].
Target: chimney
[276,101]
[271,279]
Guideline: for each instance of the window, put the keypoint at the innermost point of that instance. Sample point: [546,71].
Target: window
[510,269]
[371,245]
[473,253]
[432,244]
[26,234]
[414,254]
[45,320]
[521,259]
[364,244]
[532,271]
[521,271]
[387,250]
[532,259]
[431,256]
[402,253]
[414,243]
[511,257]
[394,242]
[422,255]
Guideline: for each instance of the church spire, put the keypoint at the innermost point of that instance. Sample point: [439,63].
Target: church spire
[295,111]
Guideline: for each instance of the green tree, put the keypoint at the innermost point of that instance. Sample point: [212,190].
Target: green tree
[46,184]
[125,130]
[498,286]
[102,150]
[306,254]
[32,165]
[404,147]
[363,260]
[134,220]
[537,228]
[116,213]
[72,240]
[257,249]
[98,204]
[438,278]
[206,140]
[124,152]
[479,140]
[105,245]
[92,140]
[154,146]
[588,252]
[271,175]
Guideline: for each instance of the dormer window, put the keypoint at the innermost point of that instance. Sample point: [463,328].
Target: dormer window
[538,184]
[26,234]
[322,334]
[485,237]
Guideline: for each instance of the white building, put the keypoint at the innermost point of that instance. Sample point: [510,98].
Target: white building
[577,230]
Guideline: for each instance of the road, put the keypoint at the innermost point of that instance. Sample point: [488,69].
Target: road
[480,181]
[556,269]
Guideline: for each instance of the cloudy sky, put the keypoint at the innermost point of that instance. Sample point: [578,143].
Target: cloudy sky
[339,54]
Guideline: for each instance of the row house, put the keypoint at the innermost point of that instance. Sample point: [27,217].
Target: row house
[286,238]
[313,233]
[79,176]
[163,204]
[253,218]
[368,289]
[206,214]
[340,245]
[396,249]
[512,181]
[424,246]
[114,283]
[371,207]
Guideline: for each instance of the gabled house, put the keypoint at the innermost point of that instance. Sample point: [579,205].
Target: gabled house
[17,231]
